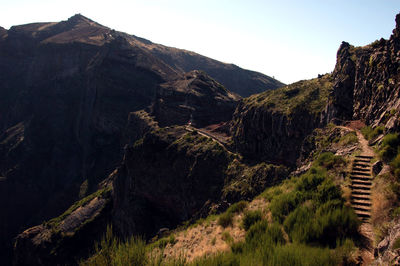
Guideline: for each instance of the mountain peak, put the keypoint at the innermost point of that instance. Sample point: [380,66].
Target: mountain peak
[79,18]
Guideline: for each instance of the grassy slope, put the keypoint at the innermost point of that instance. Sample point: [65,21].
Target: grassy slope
[310,94]
[303,221]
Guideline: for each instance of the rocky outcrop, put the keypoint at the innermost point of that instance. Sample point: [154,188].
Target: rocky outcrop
[388,252]
[67,238]
[272,126]
[195,97]
[366,82]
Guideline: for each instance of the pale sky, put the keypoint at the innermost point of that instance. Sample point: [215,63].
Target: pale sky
[290,40]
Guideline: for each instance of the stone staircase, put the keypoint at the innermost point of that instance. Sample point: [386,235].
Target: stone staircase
[361,183]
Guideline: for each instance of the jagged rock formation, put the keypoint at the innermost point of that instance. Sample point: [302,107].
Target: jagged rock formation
[366,82]
[68,237]
[195,97]
[364,85]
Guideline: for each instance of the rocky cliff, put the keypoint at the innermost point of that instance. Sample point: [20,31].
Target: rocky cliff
[272,125]
[363,86]
[366,82]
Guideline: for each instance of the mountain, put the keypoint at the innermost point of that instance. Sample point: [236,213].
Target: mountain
[66,92]
[304,174]
[238,80]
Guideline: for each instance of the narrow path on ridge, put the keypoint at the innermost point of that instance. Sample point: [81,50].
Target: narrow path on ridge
[208,135]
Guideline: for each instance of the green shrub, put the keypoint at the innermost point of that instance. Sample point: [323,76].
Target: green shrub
[297,254]
[396,212]
[256,230]
[310,181]
[370,133]
[283,204]
[227,237]
[250,218]
[272,192]
[328,224]
[395,164]
[111,251]
[327,191]
[328,160]
[225,219]
[349,138]
[396,244]
[389,147]
[238,207]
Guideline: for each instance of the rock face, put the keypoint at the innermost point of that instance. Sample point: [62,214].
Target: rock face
[386,252]
[272,126]
[195,97]
[364,85]
[68,237]
[366,81]
[171,175]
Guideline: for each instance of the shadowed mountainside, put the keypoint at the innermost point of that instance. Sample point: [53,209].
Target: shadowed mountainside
[66,92]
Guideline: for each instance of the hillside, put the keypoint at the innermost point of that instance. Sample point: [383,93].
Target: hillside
[66,91]
[307,174]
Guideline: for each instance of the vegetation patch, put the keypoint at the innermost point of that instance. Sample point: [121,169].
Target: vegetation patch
[55,222]
[370,133]
[310,95]
[250,218]
[309,224]
[226,218]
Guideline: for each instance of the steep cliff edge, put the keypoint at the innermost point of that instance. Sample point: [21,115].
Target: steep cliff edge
[366,82]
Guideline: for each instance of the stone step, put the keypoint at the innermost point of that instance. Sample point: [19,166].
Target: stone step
[360,192]
[355,202]
[361,182]
[360,187]
[361,178]
[364,156]
[362,208]
[362,165]
[363,213]
[360,173]
[360,197]
[362,161]
[358,169]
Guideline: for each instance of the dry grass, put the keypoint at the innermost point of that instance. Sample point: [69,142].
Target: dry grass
[209,238]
